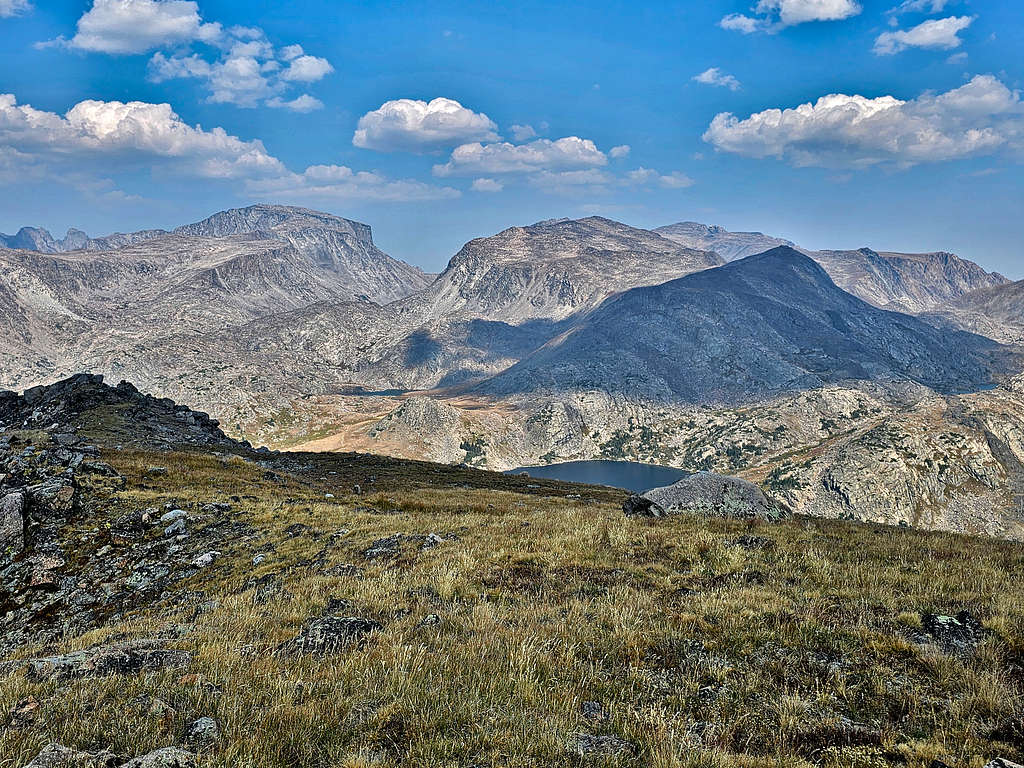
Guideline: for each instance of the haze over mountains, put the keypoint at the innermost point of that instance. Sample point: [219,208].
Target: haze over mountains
[688,345]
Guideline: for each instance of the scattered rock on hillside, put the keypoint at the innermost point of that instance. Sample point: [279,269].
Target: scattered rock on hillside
[706,493]
[330,634]
[56,756]
[202,733]
[954,634]
[168,757]
[103,661]
[590,745]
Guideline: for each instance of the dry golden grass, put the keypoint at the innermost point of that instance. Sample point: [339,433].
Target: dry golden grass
[702,653]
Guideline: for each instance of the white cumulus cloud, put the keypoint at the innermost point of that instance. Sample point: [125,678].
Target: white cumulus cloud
[941,34]
[307,69]
[10,8]
[419,126]
[617,153]
[569,153]
[238,65]
[715,76]
[132,133]
[487,185]
[137,26]
[772,15]
[113,137]
[981,117]
[737,22]
[304,103]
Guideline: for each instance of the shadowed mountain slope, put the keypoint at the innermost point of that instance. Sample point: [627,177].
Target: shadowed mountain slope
[766,324]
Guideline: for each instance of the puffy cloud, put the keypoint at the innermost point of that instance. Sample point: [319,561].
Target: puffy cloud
[487,185]
[129,134]
[777,14]
[715,76]
[737,22]
[10,8]
[97,137]
[419,126]
[249,71]
[570,153]
[617,153]
[307,69]
[839,131]
[304,103]
[800,11]
[523,132]
[244,68]
[137,26]
[322,182]
[943,34]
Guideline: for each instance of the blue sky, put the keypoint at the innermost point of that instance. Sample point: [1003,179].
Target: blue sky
[440,121]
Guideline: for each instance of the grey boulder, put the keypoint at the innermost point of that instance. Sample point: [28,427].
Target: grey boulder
[706,493]
[56,756]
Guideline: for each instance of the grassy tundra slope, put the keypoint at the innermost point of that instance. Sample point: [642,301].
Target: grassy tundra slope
[505,622]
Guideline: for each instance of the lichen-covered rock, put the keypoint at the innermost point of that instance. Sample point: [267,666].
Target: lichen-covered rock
[202,733]
[706,493]
[168,757]
[330,634]
[56,756]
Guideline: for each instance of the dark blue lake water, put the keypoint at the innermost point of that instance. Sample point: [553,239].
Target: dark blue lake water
[630,475]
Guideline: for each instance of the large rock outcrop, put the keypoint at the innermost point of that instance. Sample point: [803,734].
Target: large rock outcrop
[706,493]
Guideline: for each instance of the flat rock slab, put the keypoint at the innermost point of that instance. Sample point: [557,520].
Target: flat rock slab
[104,661]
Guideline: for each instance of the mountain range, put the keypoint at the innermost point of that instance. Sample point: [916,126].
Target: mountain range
[687,345]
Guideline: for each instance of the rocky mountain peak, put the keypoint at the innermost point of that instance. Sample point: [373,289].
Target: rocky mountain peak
[274,219]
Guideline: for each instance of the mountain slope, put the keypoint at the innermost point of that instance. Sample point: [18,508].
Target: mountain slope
[904,282]
[62,311]
[763,325]
[996,312]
